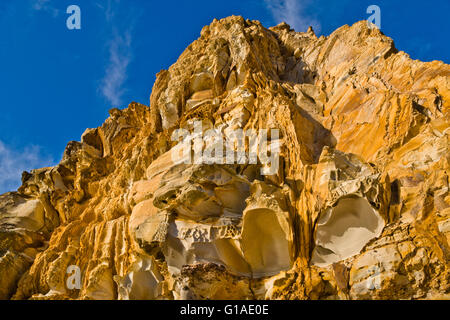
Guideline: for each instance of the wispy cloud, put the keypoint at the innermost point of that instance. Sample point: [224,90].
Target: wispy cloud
[120,54]
[293,12]
[13,162]
[46,6]
[108,8]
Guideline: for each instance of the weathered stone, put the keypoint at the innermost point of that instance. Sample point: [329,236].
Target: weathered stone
[358,209]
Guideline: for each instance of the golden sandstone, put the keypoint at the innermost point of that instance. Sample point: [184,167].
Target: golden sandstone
[359,207]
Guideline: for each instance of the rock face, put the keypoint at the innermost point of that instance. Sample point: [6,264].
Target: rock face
[358,208]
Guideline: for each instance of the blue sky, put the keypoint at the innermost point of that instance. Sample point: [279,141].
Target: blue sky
[57,82]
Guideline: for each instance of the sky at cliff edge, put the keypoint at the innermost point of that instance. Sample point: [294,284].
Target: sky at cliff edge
[57,82]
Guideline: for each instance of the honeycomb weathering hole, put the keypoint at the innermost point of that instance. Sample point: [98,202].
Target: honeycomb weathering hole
[344,230]
[265,242]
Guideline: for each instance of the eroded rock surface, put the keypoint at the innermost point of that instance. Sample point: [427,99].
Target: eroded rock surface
[354,211]
[359,207]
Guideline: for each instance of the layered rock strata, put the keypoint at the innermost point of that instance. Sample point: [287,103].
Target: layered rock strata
[359,207]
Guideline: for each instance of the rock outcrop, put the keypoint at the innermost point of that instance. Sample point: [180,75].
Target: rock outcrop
[357,208]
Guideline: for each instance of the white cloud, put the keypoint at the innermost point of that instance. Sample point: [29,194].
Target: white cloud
[14,162]
[108,8]
[120,54]
[46,6]
[293,13]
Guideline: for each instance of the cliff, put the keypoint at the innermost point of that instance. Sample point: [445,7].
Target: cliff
[351,201]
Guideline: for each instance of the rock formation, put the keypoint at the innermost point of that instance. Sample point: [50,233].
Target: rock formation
[359,207]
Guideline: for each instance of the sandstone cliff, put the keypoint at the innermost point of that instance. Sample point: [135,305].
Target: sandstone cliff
[359,207]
